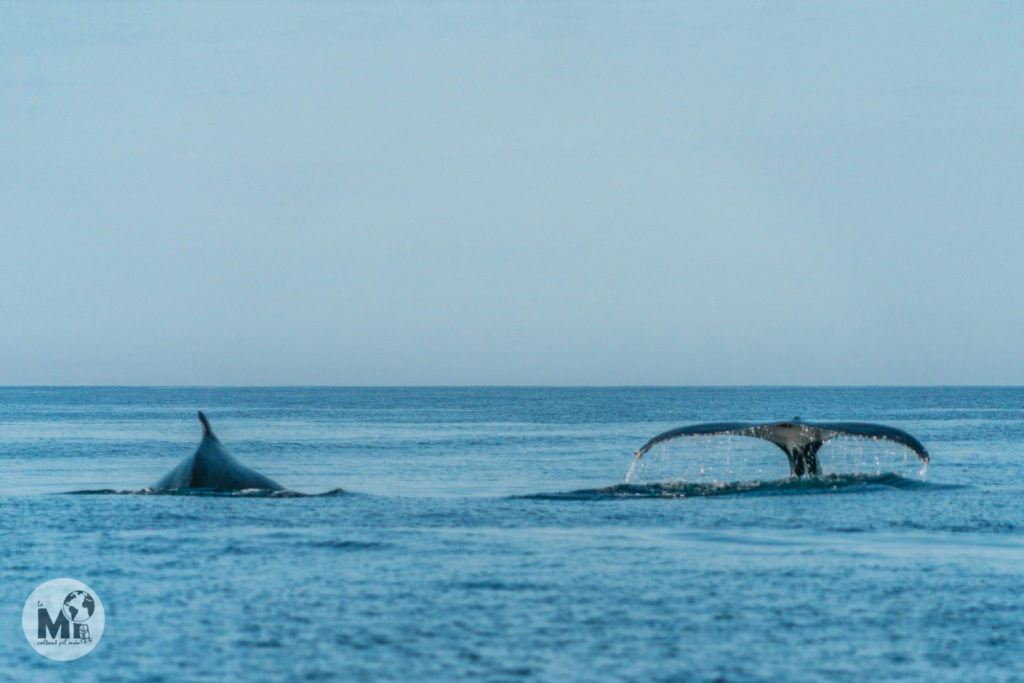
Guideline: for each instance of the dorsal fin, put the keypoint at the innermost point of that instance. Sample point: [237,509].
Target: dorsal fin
[206,425]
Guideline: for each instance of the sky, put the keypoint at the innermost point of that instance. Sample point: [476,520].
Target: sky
[528,193]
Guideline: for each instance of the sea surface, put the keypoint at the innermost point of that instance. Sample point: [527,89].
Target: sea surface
[492,533]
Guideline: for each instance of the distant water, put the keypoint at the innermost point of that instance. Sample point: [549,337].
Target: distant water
[492,533]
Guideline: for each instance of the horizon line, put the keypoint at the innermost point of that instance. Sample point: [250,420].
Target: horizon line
[510,386]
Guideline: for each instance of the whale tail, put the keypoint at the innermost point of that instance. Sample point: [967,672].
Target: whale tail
[799,440]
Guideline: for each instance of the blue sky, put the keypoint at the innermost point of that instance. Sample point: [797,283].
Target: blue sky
[511,193]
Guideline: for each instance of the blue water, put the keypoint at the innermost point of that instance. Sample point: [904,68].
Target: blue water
[492,533]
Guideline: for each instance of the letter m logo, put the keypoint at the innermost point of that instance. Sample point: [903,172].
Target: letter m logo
[47,625]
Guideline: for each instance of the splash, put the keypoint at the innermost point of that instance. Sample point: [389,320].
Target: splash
[716,459]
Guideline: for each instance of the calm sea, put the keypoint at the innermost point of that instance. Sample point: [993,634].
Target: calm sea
[492,533]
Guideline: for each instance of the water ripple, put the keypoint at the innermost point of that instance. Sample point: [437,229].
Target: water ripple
[828,483]
[214,493]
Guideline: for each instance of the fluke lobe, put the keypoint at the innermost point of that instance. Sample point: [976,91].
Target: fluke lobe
[212,467]
[798,439]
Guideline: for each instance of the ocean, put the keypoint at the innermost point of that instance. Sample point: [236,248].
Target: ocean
[507,534]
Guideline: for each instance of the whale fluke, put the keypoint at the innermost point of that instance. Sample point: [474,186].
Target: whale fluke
[212,467]
[798,439]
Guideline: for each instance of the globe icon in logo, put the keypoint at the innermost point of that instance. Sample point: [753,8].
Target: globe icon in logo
[78,607]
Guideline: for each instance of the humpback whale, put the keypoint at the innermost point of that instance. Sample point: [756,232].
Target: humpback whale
[212,467]
[798,439]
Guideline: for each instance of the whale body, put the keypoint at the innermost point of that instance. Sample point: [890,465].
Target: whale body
[212,467]
[798,439]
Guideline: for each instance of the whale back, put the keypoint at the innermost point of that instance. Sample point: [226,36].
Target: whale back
[212,467]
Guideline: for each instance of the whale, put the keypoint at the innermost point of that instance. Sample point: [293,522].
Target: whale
[212,467]
[799,440]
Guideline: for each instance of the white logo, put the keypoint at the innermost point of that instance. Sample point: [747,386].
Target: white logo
[63,619]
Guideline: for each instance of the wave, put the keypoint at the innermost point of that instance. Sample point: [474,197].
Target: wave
[213,493]
[339,544]
[828,483]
